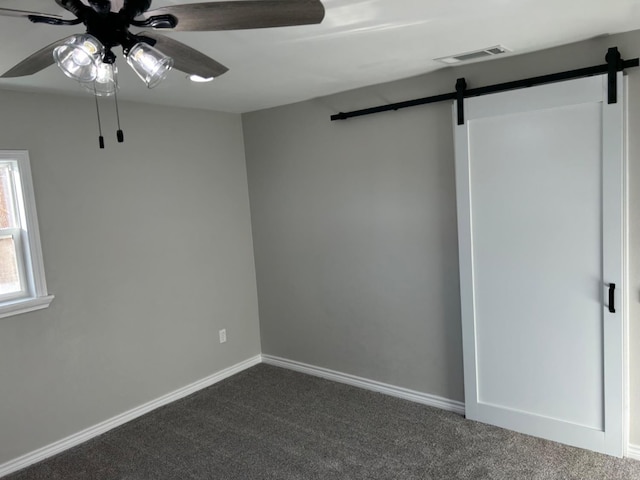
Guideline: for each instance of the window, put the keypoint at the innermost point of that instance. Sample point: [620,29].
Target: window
[22,283]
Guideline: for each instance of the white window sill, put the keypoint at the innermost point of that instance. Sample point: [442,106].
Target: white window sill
[25,305]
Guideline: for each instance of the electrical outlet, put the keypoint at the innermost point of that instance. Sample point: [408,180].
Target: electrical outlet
[223,335]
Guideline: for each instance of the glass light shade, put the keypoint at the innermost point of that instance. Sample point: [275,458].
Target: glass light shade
[106,83]
[78,57]
[150,64]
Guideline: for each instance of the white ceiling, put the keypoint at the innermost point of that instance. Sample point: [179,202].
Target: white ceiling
[360,42]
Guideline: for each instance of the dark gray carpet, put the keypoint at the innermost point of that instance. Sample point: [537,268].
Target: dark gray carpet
[270,423]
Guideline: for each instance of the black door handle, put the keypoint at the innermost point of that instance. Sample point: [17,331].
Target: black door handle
[612,289]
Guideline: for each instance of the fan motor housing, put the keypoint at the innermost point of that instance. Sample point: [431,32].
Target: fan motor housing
[112,29]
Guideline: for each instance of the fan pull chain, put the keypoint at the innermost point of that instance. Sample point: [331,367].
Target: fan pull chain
[119,133]
[100,138]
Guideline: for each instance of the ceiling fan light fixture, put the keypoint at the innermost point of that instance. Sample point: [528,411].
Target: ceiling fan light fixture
[149,63]
[79,56]
[199,79]
[106,83]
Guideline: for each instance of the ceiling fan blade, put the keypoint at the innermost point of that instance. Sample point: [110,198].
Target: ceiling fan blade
[34,63]
[244,14]
[186,59]
[10,12]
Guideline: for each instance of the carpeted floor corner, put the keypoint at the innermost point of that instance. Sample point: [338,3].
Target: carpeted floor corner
[271,423]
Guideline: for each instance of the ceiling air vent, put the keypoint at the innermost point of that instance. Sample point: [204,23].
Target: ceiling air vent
[463,57]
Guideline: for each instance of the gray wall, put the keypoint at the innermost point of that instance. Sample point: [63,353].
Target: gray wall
[355,226]
[148,250]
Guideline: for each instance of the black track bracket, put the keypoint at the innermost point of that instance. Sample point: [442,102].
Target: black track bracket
[461,87]
[614,62]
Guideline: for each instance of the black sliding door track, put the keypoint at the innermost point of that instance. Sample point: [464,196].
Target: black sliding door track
[614,64]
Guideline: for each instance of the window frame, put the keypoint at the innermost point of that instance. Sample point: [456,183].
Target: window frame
[16,234]
[27,241]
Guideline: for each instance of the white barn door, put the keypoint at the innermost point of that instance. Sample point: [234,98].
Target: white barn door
[539,177]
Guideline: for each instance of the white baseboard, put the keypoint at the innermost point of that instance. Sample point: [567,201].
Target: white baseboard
[404,393]
[102,427]
[633,451]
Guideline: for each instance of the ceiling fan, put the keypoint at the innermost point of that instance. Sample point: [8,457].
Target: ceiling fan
[89,57]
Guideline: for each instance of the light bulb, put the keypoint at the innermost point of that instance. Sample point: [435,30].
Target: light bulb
[199,79]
